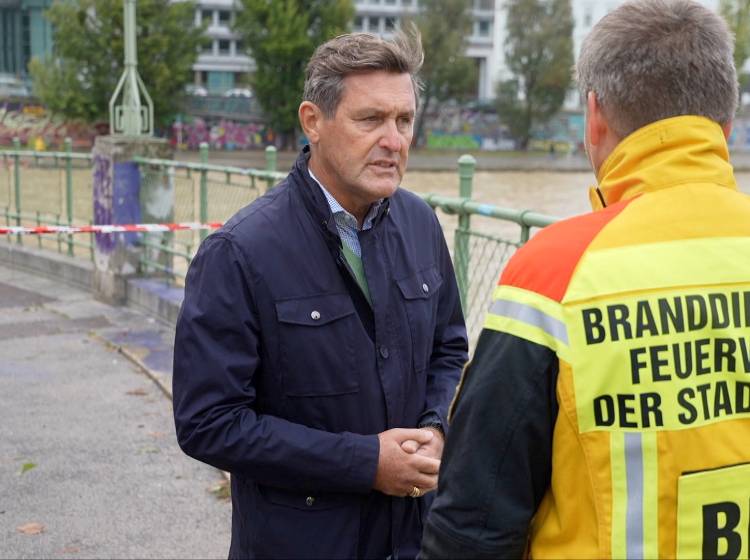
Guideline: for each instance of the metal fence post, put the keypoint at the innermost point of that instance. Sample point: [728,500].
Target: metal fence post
[204,188]
[69,188]
[270,164]
[17,182]
[466,166]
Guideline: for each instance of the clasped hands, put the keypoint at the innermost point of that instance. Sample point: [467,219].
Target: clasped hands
[409,461]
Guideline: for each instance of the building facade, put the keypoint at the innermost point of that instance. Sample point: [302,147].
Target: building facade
[24,33]
[383,16]
[224,63]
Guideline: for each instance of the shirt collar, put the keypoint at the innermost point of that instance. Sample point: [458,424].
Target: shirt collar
[340,214]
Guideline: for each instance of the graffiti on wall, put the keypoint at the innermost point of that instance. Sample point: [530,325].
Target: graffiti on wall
[36,128]
[465,128]
[103,211]
[223,134]
[449,126]
[480,128]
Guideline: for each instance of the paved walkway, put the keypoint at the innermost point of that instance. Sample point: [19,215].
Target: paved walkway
[103,473]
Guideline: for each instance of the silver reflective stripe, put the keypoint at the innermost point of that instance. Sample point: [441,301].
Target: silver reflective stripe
[634,516]
[531,316]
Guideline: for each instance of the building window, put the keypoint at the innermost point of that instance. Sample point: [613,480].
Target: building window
[406,3]
[219,82]
[484,28]
[390,23]
[484,5]
[224,46]
[390,2]
[358,23]
[208,47]
[207,16]
[224,17]
[240,48]
[374,24]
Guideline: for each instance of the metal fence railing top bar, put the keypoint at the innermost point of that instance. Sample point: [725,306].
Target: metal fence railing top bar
[198,167]
[46,155]
[458,205]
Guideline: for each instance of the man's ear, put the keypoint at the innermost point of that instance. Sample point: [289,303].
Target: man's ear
[727,128]
[310,118]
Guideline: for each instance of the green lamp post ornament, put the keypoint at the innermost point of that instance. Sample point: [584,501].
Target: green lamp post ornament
[131,118]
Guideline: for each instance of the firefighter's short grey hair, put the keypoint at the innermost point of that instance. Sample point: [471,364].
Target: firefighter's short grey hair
[653,59]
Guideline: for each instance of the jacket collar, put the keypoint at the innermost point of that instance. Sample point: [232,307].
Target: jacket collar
[315,200]
[667,153]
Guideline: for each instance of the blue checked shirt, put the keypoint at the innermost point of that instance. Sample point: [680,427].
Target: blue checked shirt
[346,223]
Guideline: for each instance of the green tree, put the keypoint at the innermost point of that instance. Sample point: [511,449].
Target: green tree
[281,36]
[539,55]
[447,73]
[737,14]
[87,62]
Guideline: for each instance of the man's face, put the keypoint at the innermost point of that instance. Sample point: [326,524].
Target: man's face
[360,154]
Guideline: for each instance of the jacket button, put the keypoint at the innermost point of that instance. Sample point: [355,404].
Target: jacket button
[425,288]
[384,352]
[315,315]
[310,501]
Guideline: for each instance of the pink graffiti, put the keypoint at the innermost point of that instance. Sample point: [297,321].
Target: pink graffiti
[224,135]
[28,122]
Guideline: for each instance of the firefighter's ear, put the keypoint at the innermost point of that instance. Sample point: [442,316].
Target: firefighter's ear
[601,137]
[727,129]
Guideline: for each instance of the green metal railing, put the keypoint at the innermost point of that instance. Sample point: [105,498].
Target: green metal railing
[202,192]
[56,188]
[479,254]
[47,188]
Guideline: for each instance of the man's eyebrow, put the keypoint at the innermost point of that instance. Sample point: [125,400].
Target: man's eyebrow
[368,111]
[380,112]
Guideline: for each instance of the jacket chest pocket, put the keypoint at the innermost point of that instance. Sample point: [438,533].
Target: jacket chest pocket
[420,295]
[316,345]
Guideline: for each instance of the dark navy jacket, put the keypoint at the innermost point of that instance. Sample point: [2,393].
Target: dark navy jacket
[284,374]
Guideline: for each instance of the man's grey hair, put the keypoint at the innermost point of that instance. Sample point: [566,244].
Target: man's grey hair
[356,53]
[653,59]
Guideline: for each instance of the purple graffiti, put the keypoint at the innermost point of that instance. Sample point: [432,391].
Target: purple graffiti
[223,135]
[103,201]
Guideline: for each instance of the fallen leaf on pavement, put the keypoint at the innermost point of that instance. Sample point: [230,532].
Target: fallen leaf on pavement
[222,490]
[27,467]
[71,550]
[148,449]
[31,529]
[137,393]
[157,435]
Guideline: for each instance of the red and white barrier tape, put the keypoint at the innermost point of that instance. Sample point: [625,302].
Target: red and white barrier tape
[124,228]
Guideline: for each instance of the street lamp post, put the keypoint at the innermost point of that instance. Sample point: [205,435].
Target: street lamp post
[131,118]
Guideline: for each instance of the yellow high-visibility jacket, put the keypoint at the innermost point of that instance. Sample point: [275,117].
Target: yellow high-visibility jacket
[606,413]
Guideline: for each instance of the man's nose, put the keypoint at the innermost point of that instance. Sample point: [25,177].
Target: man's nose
[391,138]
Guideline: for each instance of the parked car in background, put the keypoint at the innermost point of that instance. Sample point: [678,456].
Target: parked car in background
[10,86]
[239,92]
[192,89]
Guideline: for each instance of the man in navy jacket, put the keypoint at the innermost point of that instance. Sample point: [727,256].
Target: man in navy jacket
[321,337]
